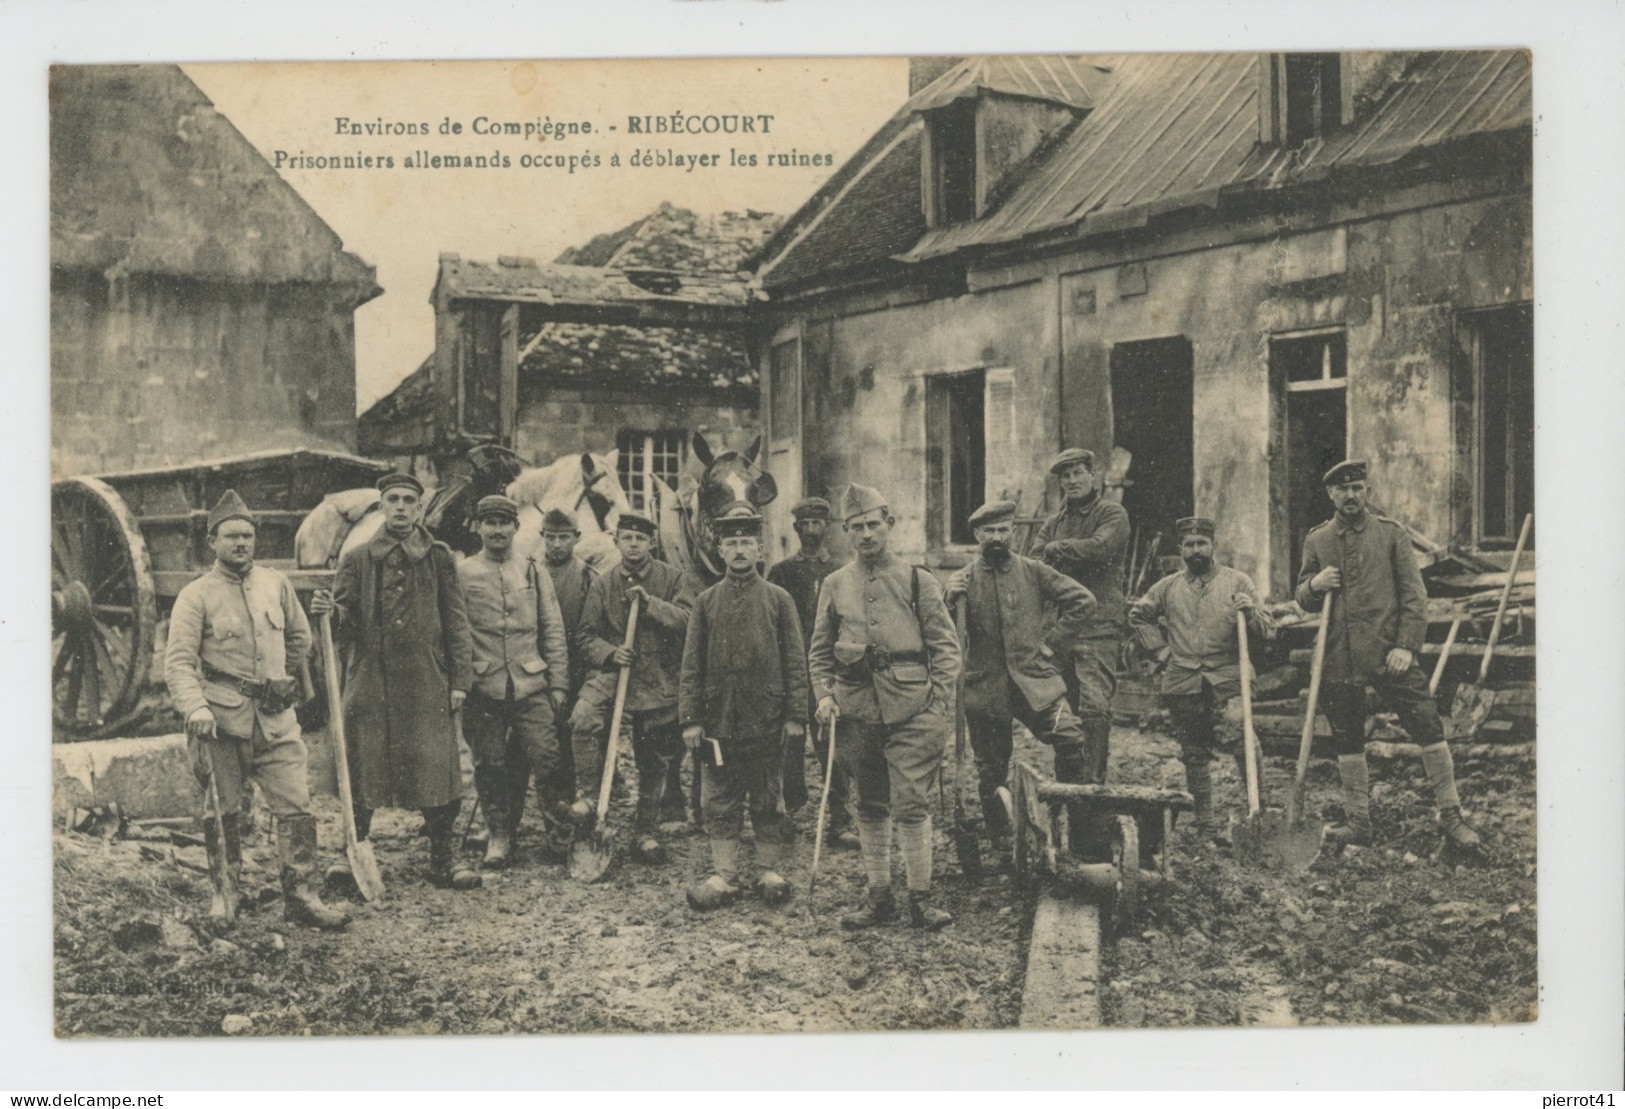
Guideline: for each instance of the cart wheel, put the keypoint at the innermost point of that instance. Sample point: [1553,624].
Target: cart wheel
[103,609]
[1128,870]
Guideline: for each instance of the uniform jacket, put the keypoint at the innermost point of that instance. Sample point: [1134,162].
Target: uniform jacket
[515,625]
[662,629]
[1199,613]
[1089,544]
[1382,604]
[1005,622]
[801,577]
[571,581]
[401,619]
[251,627]
[860,606]
[744,669]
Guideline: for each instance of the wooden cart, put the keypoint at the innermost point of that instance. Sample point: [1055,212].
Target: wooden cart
[123,545]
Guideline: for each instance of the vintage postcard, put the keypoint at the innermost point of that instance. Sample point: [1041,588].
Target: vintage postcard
[1047,539]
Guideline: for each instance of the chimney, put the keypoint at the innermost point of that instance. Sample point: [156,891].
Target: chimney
[922,71]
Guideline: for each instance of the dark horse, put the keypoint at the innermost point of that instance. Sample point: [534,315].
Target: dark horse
[728,478]
[449,513]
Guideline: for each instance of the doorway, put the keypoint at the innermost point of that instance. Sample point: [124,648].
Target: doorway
[1153,419]
[1310,375]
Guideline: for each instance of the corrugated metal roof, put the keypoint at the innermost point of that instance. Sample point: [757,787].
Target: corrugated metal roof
[1179,130]
[1071,80]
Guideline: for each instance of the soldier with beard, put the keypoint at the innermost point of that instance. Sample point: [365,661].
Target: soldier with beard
[1198,607]
[1010,672]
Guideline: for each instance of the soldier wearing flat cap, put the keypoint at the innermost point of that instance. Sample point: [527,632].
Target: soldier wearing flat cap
[743,693]
[1010,651]
[236,637]
[572,577]
[1378,622]
[666,597]
[802,575]
[1087,540]
[402,629]
[1197,608]
[521,682]
[885,662]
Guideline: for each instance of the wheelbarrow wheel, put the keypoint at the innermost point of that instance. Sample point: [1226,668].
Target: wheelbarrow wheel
[1127,858]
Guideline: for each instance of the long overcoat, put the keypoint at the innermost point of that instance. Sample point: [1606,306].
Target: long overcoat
[406,646]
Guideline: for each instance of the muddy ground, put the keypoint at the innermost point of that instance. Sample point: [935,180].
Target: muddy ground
[1392,934]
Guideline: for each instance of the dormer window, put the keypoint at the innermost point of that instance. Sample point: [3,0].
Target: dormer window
[1303,96]
[951,193]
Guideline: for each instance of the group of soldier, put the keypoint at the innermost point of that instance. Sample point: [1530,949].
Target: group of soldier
[524,661]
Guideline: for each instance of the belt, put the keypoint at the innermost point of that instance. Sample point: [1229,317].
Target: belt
[244,686]
[907,656]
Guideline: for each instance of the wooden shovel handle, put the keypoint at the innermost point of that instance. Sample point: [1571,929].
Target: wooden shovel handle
[1444,656]
[335,724]
[1249,736]
[1317,667]
[622,683]
[1506,595]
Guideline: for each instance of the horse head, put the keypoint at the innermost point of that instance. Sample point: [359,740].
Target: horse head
[583,486]
[732,476]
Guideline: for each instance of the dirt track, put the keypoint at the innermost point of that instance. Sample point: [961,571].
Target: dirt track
[1390,934]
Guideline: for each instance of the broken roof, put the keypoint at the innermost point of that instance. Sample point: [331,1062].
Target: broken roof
[624,357]
[1169,132]
[146,177]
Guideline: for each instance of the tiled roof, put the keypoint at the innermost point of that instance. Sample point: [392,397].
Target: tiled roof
[146,177]
[672,238]
[520,279]
[627,357]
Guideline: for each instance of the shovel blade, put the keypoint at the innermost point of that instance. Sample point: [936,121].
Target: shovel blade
[970,854]
[591,856]
[1247,839]
[1469,711]
[1289,847]
[364,866]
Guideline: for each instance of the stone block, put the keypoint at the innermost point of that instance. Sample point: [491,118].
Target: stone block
[147,777]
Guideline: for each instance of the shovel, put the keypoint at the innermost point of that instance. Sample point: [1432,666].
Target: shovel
[1247,834]
[1473,702]
[1287,844]
[591,855]
[363,865]
[965,845]
[823,807]
[1444,656]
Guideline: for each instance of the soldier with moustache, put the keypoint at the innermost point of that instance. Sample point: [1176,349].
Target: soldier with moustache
[885,662]
[236,635]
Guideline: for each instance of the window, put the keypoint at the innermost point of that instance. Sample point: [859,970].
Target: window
[649,454]
[1305,96]
[784,411]
[1500,351]
[956,455]
[950,178]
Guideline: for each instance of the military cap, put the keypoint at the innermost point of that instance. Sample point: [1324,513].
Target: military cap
[1071,457]
[399,477]
[556,519]
[861,499]
[1194,525]
[740,519]
[496,505]
[631,521]
[993,512]
[812,508]
[230,507]
[1351,469]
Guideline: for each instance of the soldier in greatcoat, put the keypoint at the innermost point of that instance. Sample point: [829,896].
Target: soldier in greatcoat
[1375,636]
[742,701]
[521,682]
[666,597]
[399,617]
[885,663]
[236,637]
[1020,615]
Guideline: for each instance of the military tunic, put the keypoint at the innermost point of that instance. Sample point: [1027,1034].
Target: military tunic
[1089,544]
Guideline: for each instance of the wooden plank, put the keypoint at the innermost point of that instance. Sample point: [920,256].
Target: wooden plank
[1062,987]
[1118,799]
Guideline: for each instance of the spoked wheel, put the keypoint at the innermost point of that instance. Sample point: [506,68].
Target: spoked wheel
[103,609]
[1126,854]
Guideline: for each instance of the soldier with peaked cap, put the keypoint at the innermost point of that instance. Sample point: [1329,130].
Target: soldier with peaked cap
[1010,648]
[666,597]
[744,687]
[1375,635]
[802,575]
[885,662]
[571,579]
[521,682]
[236,637]
[403,633]
[1198,608]
[1087,540]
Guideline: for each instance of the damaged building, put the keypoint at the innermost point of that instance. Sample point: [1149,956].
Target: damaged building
[199,306]
[1222,272]
[632,342]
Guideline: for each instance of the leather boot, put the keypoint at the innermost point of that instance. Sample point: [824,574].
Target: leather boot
[1199,780]
[923,914]
[1356,780]
[721,887]
[1090,835]
[444,870]
[770,884]
[223,904]
[1441,771]
[296,852]
[880,908]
